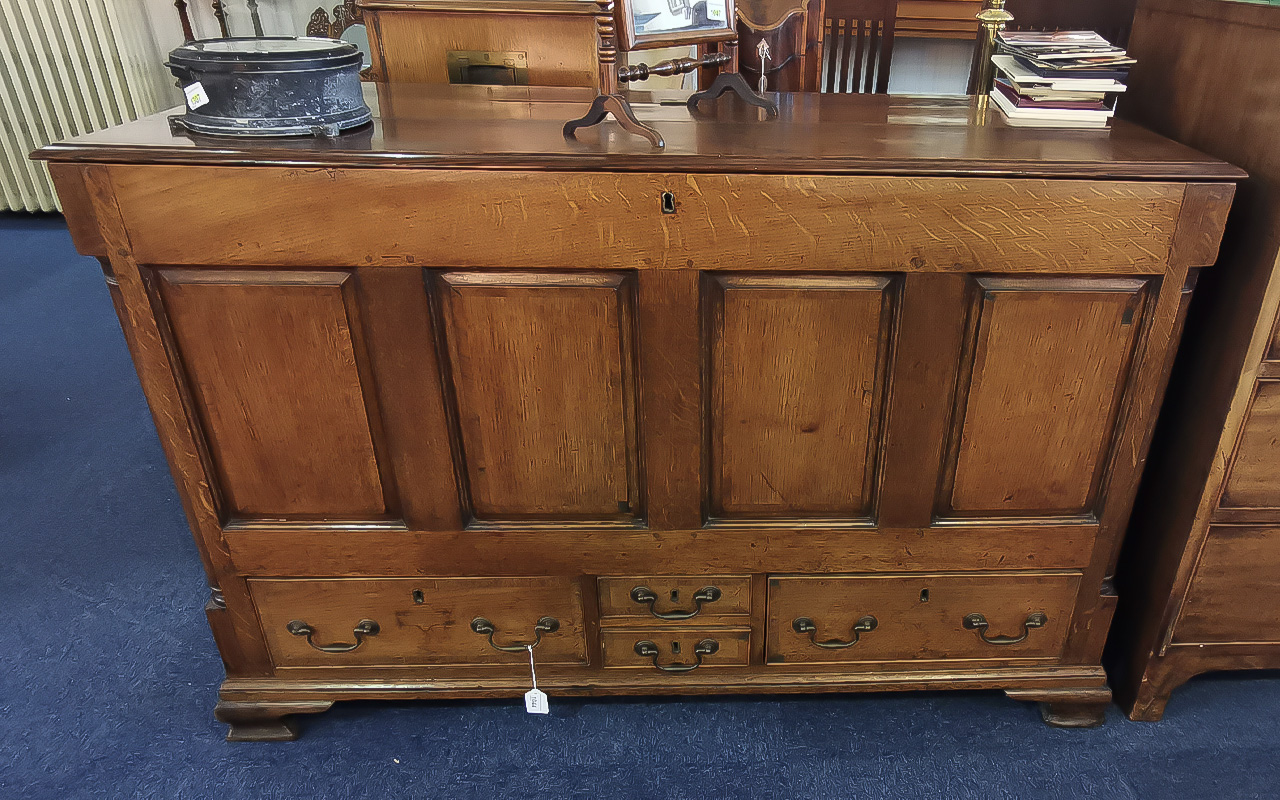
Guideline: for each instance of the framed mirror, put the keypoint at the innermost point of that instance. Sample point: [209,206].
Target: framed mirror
[644,24]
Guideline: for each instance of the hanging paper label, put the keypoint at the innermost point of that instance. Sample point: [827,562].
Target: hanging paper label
[195,95]
[535,700]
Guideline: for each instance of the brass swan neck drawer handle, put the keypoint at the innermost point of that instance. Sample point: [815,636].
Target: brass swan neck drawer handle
[365,627]
[977,622]
[804,625]
[706,647]
[484,627]
[646,596]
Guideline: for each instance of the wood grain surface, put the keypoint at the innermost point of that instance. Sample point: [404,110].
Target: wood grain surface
[272,361]
[452,366]
[1047,368]
[506,127]
[578,220]
[436,630]
[918,617]
[542,368]
[1209,492]
[798,372]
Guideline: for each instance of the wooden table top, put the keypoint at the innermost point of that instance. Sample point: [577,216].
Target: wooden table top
[489,127]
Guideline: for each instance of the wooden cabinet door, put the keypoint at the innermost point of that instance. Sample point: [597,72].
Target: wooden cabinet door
[1043,380]
[275,366]
[543,394]
[797,376]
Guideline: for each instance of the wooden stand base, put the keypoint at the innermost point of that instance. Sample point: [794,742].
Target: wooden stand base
[265,721]
[1068,708]
[1143,688]
[257,709]
[732,82]
[617,105]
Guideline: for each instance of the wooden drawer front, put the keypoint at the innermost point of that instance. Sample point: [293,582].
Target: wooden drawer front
[1233,595]
[475,218]
[676,648]
[420,621]
[676,597]
[1254,481]
[917,616]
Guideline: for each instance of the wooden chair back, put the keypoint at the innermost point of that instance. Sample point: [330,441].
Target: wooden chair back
[859,41]
[791,32]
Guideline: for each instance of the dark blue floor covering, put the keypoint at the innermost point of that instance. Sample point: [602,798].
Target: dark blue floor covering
[108,672]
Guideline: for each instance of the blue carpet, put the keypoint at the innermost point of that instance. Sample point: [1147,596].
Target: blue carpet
[108,672]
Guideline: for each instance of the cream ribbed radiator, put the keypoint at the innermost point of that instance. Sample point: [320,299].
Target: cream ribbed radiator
[68,67]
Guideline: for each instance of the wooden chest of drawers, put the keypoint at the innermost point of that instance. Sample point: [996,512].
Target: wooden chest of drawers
[1203,562]
[836,402]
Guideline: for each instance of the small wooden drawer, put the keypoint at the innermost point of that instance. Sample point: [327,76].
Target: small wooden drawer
[919,617]
[649,600]
[1232,596]
[1252,492]
[675,651]
[420,621]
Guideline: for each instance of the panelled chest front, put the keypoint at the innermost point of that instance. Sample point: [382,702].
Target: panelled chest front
[682,429]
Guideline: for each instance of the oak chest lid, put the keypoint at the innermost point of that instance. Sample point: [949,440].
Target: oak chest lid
[491,127]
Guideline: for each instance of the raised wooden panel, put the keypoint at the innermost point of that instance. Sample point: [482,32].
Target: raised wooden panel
[1232,597]
[273,362]
[1043,379]
[798,372]
[1254,480]
[544,389]
[918,617]
[421,620]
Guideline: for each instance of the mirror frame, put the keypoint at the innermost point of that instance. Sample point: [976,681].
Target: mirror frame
[628,39]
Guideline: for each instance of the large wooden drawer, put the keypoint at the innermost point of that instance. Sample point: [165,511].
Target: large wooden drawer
[519,220]
[419,621]
[1232,597]
[919,617]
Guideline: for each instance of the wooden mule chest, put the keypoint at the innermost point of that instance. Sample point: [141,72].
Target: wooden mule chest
[853,399]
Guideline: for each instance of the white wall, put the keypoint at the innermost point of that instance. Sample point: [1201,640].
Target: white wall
[930,66]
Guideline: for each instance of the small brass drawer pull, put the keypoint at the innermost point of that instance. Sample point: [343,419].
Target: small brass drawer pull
[977,622]
[804,625]
[646,596]
[706,647]
[484,627]
[365,627]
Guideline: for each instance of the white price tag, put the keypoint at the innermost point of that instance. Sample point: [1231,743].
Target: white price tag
[195,95]
[535,702]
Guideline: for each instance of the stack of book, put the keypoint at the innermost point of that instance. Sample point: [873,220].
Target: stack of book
[1059,79]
